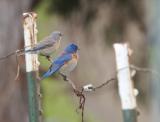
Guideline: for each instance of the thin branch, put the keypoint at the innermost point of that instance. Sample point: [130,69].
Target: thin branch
[143,69]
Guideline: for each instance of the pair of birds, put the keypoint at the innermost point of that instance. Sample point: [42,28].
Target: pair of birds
[65,62]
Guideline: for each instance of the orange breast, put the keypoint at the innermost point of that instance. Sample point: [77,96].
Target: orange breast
[75,56]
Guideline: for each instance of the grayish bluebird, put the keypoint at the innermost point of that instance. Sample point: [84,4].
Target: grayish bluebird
[45,47]
[48,45]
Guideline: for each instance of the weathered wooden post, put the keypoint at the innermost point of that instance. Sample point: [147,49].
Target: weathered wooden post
[32,65]
[125,84]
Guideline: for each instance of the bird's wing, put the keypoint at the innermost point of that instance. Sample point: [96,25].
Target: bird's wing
[45,43]
[52,70]
[42,45]
[64,57]
[57,64]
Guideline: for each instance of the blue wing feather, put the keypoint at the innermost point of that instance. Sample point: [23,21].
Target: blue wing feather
[53,69]
[57,64]
[63,58]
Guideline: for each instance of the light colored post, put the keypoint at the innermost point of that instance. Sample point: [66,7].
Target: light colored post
[32,64]
[125,84]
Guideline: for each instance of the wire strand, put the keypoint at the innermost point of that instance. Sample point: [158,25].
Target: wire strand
[7,56]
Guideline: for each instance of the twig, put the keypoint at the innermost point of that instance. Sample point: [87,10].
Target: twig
[144,70]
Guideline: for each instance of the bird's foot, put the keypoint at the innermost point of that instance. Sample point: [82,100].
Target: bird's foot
[64,77]
[49,58]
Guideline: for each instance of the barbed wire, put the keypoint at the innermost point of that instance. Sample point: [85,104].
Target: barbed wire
[17,52]
[87,88]
[104,84]
[80,93]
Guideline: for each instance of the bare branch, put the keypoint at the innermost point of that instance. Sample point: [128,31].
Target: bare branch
[140,69]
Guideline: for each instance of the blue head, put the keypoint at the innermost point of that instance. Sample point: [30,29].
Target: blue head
[71,48]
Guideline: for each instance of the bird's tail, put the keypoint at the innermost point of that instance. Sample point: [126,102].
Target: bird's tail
[25,50]
[22,52]
[52,70]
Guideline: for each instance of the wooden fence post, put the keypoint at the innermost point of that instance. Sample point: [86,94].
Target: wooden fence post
[32,65]
[125,84]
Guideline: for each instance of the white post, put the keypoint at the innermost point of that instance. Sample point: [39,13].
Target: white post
[32,66]
[30,39]
[125,84]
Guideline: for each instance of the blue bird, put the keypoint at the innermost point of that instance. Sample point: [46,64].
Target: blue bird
[48,45]
[65,63]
